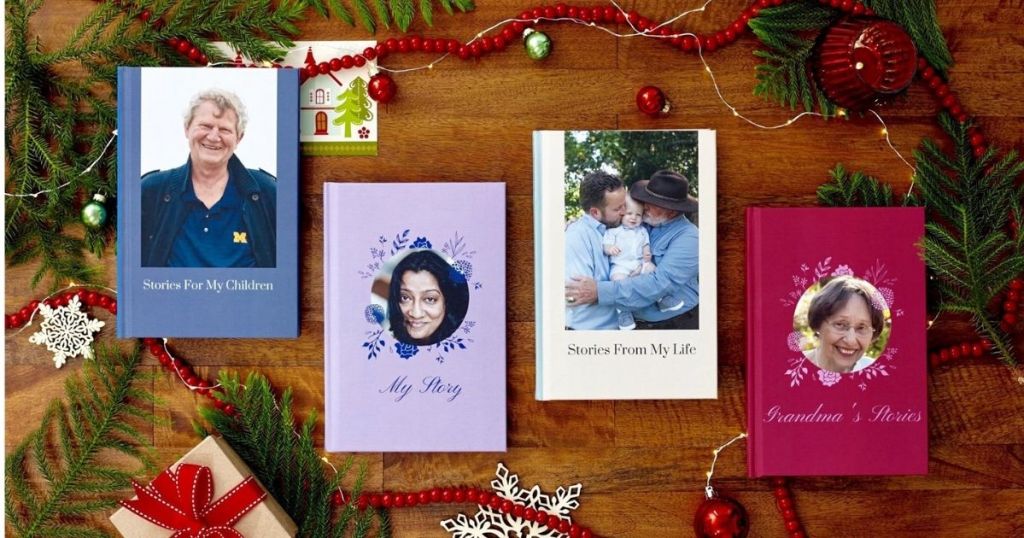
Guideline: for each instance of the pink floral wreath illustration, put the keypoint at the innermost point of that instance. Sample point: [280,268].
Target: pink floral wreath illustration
[796,341]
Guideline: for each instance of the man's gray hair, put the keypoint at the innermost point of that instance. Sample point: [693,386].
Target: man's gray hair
[223,100]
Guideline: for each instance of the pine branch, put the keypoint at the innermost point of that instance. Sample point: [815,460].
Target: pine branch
[854,189]
[402,12]
[789,32]
[67,453]
[284,458]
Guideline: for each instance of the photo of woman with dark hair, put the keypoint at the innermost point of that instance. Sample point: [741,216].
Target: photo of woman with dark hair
[427,299]
[847,319]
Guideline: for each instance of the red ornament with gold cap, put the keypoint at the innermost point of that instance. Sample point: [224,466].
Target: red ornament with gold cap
[861,61]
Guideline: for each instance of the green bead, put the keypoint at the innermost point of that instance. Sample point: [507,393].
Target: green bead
[94,215]
[538,44]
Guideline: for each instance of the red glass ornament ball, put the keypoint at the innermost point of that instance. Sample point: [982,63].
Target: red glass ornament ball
[862,60]
[651,101]
[721,517]
[382,88]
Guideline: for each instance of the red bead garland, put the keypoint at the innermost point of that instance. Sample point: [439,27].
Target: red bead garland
[784,502]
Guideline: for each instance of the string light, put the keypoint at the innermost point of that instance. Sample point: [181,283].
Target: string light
[709,491]
[113,136]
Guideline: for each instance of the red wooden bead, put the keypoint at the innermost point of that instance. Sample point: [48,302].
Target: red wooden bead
[965,349]
[475,50]
[485,497]
[9,321]
[435,495]
[229,409]
[311,71]
[424,497]
[525,16]
[453,45]
[499,43]
[780,492]
[620,18]
[530,514]
[563,526]
[337,499]
[709,43]
[961,117]
[928,73]
[369,53]
[218,403]
[979,151]
[391,44]
[25,312]
[193,54]
[459,495]
[1016,284]
[561,10]
[518,510]
[549,12]
[689,43]
[977,139]
[173,42]
[730,35]
[585,533]
[754,11]
[472,494]
[363,502]
[387,500]
[399,500]
[944,354]
[954,352]
[1010,319]
[411,499]
[632,16]
[949,100]
[192,380]
[835,3]
[784,503]
[335,64]
[1013,295]
[382,50]
[537,12]
[506,506]
[375,500]
[495,502]
[738,27]
[184,46]
[323,68]
[792,526]
[464,52]
[575,530]
[933,358]
[976,350]
[799,533]
[573,12]
[447,495]
[415,42]
[788,515]
[642,25]
[858,9]
[346,62]
[609,14]
[956,110]
[404,45]
[486,44]
[553,521]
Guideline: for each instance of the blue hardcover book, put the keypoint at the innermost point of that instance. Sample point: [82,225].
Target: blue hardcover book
[207,199]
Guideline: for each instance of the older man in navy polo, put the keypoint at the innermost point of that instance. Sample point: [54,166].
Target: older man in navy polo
[212,211]
[675,249]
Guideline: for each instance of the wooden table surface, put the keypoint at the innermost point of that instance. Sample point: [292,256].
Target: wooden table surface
[641,464]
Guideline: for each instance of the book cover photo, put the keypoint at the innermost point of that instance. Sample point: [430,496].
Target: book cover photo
[414,317]
[836,357]
[625,262]
[207,202]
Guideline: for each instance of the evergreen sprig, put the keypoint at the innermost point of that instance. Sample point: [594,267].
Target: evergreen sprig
[57,125]
[789,33]
[402,12]
[969,243]
[846,189]
[283,457]
[60,473]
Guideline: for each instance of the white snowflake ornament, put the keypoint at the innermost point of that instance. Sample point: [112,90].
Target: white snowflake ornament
[66,331]
[493,523]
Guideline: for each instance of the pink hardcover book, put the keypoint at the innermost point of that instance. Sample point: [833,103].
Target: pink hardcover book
[836,359]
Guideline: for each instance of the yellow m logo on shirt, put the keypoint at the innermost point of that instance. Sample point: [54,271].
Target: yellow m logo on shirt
[239,237]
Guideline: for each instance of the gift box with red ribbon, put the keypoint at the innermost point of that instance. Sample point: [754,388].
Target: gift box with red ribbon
[209,493]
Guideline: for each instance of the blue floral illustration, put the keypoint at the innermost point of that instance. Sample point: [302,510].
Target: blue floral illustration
[464,267]
[405,350]
[374,314]
[421,242]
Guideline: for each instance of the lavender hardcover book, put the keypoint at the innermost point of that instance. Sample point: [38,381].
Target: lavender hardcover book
[414,317]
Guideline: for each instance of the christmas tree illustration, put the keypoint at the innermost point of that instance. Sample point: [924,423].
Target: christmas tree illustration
[353,106]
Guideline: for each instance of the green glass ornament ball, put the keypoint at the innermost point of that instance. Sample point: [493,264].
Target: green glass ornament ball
[538,45]
[94,214]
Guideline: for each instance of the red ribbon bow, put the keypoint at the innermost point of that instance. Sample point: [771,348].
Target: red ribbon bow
[180,500]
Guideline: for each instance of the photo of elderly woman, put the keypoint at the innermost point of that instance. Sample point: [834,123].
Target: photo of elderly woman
[847,317]
[426,297]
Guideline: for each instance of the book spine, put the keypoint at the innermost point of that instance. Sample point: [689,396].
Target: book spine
[753,308]
[329,415]
[128,80]
[538,274]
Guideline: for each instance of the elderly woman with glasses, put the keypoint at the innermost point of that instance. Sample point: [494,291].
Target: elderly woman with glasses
[847,317]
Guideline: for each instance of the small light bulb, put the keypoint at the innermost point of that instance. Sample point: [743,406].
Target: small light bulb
[885,132]
[708,474]
[858,66]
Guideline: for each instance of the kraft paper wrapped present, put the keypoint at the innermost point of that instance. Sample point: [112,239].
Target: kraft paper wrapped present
[209,491]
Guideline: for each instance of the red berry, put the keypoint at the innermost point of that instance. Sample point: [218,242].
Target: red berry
[347,62]
[965,349]
[416,42]
[518,510]
[585,533]
[575,531]
[369,53]
[475,50]
[486,44]
[375,500]
[563,526]
[949,101]
[928,73]
[464,52]
[780,492]
[944,354]
[976,350]
[193,54]
[460,495]
[495,502]
[411,499]
[1010,319]
[391,44]
[1013,295]
[1016,284]
[553,521]
[561,10]
[858,9]
[323,68]
[382,50]
[447,495]
[399,500]
[499,43]
[424,497]
[792,526]
[435,495]
[484,498]
[784,504]
[954,352]
[363,502]
[549,12]
[311,71]
[506,506]
[529,514]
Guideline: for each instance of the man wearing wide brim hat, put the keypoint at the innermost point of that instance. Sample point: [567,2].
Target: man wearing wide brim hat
[668,298]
